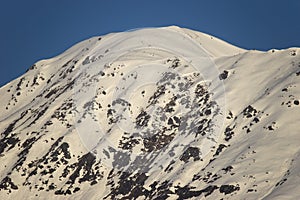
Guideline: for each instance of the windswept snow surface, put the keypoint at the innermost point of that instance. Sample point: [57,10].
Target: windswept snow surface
[157,113]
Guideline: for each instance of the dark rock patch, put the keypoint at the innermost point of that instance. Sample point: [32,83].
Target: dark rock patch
[142,119]
[249,111]
[130,186]
[227,189]
[7,184]
[227,169]
[223,75]
[219,149]
[228,133]
[190,152]
[157,141]
[127,143]
[188,192]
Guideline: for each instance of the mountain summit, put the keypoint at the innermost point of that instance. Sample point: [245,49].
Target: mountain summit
[156,113]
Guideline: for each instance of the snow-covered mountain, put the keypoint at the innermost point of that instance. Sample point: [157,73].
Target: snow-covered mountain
[158,113]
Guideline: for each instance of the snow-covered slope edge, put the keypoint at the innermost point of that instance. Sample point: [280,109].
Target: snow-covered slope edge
[255,157]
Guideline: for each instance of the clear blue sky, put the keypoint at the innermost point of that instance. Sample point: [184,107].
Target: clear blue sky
[35,29]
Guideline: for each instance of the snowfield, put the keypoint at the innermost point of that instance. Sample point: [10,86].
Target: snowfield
[157,113]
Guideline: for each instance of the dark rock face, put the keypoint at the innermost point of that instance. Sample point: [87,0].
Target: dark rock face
[58,171]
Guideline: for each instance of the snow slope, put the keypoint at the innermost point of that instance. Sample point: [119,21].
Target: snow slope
[160,113]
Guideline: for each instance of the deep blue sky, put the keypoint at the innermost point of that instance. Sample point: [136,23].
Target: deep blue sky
[35,29]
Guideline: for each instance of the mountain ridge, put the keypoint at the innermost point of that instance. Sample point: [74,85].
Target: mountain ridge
[231,109]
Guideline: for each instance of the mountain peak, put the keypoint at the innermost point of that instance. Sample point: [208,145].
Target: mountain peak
[156,113]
